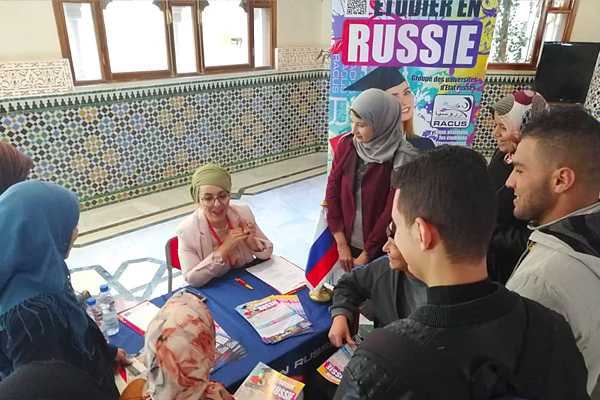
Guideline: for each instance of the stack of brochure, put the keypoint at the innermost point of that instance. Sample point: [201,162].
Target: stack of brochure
[294,303]
[276,317]
[226,349]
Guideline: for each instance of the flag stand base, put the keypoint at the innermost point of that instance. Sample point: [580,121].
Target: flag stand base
[322,295]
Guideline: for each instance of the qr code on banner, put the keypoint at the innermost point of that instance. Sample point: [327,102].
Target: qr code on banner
[357,8]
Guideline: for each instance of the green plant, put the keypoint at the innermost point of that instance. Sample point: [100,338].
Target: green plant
[510,36]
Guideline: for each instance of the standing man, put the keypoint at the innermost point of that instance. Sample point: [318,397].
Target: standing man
[556,179]
[473,339]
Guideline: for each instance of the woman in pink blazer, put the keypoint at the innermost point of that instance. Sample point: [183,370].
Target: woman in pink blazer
[219,235]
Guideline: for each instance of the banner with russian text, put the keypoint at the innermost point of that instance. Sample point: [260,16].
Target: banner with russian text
[431,55]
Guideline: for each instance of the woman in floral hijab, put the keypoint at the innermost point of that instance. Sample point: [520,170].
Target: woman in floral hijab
[179,354]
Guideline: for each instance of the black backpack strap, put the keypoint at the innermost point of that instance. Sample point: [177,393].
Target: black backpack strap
[425,372]
[536,352]
[433,374]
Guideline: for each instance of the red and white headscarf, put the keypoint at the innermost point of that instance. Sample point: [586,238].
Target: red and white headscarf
[517,109]
[180,352]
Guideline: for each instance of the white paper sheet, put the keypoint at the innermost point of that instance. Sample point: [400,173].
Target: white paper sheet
[279,273]
[141,315]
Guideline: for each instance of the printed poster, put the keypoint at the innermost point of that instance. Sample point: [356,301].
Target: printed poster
[431,55]
[333,368]
[264,383]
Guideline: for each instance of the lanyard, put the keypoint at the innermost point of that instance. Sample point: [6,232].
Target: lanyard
[212,230]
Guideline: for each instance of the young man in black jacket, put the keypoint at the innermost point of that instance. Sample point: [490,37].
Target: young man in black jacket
[473,339]
[394,293]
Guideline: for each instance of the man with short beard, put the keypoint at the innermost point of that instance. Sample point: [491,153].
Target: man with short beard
[556,180]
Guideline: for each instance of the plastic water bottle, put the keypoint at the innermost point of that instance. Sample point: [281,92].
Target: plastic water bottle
[109,311]
[95,313]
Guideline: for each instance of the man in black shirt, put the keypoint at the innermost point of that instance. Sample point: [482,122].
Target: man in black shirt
[473,339]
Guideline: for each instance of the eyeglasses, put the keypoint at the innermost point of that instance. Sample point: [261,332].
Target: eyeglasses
[391,230]
[209,201]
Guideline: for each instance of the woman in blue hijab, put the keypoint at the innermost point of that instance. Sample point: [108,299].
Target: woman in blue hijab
[40,317]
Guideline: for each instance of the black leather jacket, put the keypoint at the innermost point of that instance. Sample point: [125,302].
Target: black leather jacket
[498,345]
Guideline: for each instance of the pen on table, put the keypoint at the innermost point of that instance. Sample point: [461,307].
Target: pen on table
[241,282]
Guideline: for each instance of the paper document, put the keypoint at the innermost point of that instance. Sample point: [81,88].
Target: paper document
[140,316]
[280,274]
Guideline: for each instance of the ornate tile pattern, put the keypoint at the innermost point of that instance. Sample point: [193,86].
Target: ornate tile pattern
[496,87]
[113,145]
[109,146]
[300,58]
[35,78]
[593,98]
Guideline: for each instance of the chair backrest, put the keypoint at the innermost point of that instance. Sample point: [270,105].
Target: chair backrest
[172,254]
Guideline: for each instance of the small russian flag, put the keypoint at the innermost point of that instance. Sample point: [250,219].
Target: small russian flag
[323,255]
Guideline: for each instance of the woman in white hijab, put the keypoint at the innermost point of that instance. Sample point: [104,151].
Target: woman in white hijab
[359,197]
[511,113]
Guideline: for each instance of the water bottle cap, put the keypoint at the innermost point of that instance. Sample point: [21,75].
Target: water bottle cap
[91,301]
[103,288]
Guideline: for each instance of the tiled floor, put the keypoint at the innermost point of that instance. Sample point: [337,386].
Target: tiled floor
[134,263]
[131,215]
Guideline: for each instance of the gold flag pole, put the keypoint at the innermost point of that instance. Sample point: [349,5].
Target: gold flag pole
[322,294]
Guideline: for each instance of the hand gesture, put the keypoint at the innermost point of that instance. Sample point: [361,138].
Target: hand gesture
[234,237]
[340,331]
[346,259]
[121,359]
[250,229]
[361,260]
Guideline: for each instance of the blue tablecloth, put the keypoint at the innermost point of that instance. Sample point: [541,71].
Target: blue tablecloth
[299,355]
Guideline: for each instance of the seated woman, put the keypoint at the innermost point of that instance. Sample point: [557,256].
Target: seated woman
[179,353]
[40,317]
[14,166]
[358,195]
[219,235]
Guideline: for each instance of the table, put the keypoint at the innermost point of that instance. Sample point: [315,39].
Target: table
[294,356]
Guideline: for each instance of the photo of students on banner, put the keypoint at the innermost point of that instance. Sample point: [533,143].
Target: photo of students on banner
[390,80]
